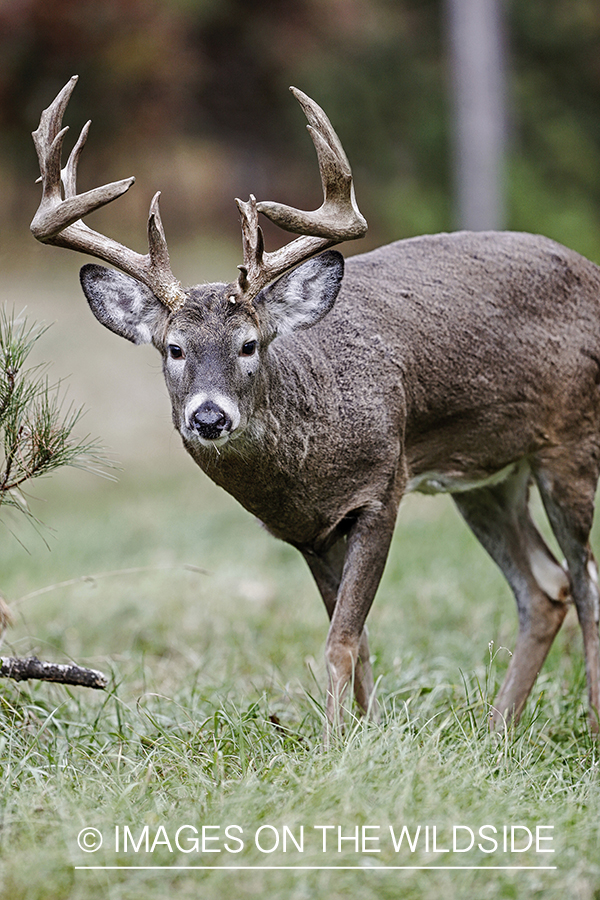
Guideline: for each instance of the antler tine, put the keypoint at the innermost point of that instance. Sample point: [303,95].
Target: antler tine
[58,219]
[318,120]
[253,244]
[69,173]
[164,284]
[337,219]
[49,135]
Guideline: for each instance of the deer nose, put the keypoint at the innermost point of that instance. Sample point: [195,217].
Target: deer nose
[210,421]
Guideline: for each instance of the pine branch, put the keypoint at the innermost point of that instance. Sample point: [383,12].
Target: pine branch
[36,432]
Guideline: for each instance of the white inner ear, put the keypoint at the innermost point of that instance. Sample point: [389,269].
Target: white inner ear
[292,309]
[130,308]
[121,303]
[302,297]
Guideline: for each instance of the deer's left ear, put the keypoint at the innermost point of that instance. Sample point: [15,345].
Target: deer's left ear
[303,296]
[121,303]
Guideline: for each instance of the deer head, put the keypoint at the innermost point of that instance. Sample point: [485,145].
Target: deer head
[212,338]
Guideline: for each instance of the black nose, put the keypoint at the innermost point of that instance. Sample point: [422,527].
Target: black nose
[210,421]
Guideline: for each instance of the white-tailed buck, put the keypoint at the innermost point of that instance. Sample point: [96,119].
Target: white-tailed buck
[318,393]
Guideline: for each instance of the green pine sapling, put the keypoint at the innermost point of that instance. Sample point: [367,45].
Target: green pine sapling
[36,433]
[36,437]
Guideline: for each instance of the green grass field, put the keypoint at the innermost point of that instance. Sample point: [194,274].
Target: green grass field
[213,635]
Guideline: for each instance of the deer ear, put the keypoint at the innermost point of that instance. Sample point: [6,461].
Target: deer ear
[121,303]
[303,296]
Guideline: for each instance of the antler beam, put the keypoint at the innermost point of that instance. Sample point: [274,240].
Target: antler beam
[58,218]
[337,219]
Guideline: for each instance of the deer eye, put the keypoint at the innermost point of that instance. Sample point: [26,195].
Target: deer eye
[248,349]
[175,352]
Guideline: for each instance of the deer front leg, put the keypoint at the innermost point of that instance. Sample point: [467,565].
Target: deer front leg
[366,552]
[326,569]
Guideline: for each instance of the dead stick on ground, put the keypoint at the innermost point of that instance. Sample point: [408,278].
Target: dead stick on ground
[31,667]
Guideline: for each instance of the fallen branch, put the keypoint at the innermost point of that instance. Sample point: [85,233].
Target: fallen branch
[31,667]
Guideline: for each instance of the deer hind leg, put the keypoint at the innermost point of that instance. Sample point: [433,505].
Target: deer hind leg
[499,517]
[568,496]
[327,571]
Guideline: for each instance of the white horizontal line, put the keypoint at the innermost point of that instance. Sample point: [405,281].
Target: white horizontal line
[323,868]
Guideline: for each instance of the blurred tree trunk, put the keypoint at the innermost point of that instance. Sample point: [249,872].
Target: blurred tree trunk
[477,68]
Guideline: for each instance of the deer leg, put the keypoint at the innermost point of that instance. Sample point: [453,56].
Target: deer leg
[499,517]
[569,504]
[327,570]
[367,547]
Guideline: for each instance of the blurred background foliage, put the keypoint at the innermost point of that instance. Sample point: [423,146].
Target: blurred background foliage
[191,97]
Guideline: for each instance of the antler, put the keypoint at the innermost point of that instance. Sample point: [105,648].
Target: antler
[58,218]
[337,219]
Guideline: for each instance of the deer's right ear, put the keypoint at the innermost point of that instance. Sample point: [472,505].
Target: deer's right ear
[121,303]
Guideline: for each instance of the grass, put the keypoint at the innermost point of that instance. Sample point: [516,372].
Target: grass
[213,635]
[214,713]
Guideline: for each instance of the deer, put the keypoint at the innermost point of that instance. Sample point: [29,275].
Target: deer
[319,390]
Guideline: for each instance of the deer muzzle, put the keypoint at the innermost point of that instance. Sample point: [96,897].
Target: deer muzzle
[210,419]
[211,422]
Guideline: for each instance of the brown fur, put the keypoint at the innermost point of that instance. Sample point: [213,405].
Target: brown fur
[467,363]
